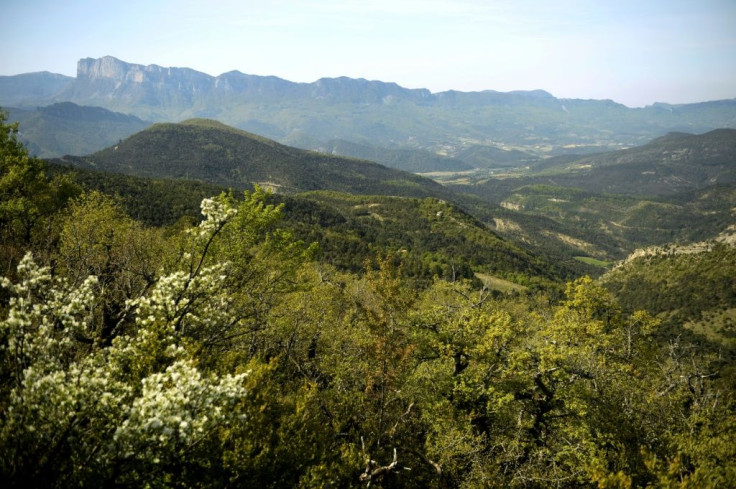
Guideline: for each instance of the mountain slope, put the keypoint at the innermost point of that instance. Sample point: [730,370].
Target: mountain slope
[679,188]
[212,152]
[609,226]
[690,285]
[31,89]
[432,236]
[67,128]
[668,165]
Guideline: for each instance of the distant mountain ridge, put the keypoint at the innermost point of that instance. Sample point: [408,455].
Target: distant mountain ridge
[152,85]
[31,89]
[362,111]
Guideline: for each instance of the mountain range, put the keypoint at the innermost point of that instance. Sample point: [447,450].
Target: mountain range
[366,112]
[584,207]
[669,177]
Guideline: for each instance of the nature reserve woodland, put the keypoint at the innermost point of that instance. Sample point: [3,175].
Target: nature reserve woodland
[230,351]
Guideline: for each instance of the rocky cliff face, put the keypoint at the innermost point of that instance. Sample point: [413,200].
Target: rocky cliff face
[120,71]
[107,67]
[152,91]
[118,85]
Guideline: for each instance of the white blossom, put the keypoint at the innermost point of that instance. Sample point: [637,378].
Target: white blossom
[143,396]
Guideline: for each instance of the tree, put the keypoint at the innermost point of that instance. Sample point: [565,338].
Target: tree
[97,238]
[137,410]
[27,199]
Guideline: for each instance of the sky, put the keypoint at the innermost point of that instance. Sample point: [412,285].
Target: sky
[635,52]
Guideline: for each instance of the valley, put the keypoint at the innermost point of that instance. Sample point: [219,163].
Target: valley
[241,281]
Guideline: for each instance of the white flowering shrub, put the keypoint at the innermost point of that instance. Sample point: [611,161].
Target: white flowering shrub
[217,211]
[183,302]
[44,317]
[73,411]
[175,411]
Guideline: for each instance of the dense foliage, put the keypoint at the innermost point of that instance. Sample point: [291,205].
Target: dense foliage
[223,354]
[435,237]
[691,285]
[153,202]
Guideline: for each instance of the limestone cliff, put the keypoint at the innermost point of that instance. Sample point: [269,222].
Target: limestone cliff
[112,68]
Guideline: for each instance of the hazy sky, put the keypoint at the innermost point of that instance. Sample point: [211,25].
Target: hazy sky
[635,52]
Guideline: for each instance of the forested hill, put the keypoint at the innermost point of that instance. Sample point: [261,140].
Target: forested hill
[433,237]
[691,286]
[667,165]
[213,152]
[436,236]
[678,188]
[676,164]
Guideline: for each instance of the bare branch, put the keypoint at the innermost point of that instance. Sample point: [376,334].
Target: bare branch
[373,471]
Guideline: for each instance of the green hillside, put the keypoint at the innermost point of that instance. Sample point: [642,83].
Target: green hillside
[680,188]
[692,286]
[610,226]
[154,202]
[216,154]
[433,237]
[668,165]
[567,223]
[209,151]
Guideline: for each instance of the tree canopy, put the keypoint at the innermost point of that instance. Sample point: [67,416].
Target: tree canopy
[222,353]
